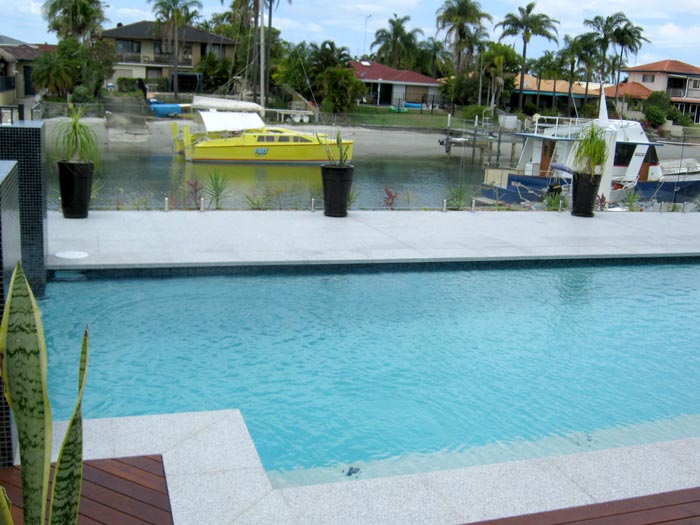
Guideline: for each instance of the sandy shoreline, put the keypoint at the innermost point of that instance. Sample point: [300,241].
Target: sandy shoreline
[155,137]
[132,134]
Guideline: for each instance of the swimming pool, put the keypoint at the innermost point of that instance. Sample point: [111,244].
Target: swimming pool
[393,371]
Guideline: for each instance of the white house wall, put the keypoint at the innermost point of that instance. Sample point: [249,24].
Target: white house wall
[398,94]
[659,84]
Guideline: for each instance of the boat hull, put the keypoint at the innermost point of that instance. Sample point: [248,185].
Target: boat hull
[220,151]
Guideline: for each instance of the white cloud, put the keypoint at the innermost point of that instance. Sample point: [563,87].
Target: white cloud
[130,15]
[289,24]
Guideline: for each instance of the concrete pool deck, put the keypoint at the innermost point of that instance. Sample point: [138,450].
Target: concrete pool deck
[119,239]
[210,461]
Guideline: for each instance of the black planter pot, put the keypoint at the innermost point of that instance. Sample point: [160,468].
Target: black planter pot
[75,182]
[336,189]
[584,194]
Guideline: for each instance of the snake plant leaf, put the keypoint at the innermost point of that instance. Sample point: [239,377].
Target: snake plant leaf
[5,508]
[68,475]
[24,369]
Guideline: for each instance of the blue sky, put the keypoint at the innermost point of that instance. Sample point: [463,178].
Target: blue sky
[673,26]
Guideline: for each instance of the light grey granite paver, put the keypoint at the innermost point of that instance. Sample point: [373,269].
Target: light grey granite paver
[225,238]
[399,500]
[214,497]
[270,510]
[628,472]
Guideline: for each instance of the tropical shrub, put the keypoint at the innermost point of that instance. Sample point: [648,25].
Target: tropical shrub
[655,116]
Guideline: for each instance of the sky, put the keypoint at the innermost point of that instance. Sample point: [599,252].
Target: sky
[672,26]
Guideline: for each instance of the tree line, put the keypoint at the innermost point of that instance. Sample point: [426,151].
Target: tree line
[477,69]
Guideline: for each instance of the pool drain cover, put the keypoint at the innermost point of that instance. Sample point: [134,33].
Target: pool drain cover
[71,255]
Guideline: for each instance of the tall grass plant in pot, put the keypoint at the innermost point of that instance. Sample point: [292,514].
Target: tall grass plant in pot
[76,147]
[336,175]
[589,162]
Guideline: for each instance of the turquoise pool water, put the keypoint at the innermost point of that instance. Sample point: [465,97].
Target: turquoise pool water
[360,367]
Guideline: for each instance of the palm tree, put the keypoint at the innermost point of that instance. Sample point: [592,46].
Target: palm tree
[605,28]
[77,18]
[629,37]
[53,73]
[173,15]
[527,24]
[538,67]
[433,58]
[463,20]
[270,4]
[397,47]
[588,58]
[570,55]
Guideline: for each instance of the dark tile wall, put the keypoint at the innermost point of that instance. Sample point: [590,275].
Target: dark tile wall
[10,253]
[24,142]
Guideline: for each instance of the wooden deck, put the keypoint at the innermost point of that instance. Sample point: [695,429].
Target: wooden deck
[681,507]
[122,491]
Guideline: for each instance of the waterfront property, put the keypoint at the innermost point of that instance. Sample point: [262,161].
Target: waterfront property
[140,52]
[678,80]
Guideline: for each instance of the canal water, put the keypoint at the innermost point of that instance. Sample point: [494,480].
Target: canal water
[130,181]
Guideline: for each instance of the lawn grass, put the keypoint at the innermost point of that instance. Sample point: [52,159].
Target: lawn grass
[382,116]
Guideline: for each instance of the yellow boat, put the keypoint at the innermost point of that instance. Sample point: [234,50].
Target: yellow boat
[243,137]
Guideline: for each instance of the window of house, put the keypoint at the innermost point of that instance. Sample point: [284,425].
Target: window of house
[648,78]
[127,46]
[696,84]
[216,49]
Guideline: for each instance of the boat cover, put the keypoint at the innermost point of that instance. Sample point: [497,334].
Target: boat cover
[228,121]
[225,104]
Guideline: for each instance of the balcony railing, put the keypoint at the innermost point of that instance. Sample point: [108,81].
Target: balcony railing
[675,92]
[157,58]
[7,83]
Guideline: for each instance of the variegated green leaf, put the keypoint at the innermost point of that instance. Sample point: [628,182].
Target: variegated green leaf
[68,475]
[5,508]
[24,369]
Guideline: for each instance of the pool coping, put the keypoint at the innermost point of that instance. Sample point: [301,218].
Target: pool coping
[227,239]
[212,466]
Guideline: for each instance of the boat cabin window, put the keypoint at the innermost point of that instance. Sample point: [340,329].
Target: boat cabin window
[624,153]
[301,139]
[266,138]
[651,157]
[283,138]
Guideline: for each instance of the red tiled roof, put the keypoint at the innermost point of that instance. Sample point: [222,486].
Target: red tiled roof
[666,66]
[24,52]
[47,48]
[631,89]
[374,72]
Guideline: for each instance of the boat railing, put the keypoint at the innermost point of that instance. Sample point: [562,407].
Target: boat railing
[565,127]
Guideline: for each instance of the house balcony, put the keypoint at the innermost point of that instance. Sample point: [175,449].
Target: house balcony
[676,92]
[7,84]
[160,59]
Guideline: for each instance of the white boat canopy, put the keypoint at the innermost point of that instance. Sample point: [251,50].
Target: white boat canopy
[226,104]
[228,121]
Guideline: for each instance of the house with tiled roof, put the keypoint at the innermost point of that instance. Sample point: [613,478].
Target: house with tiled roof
[142,52]
[389,86]
[679,80]
[548,91]
[16,60]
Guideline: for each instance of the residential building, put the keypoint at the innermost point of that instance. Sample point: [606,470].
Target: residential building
[551,93]
[388,86]
[16,68]
[142,52]
[679,80]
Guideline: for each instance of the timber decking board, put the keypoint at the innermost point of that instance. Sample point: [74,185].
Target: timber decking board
[119,491]
[681,507]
